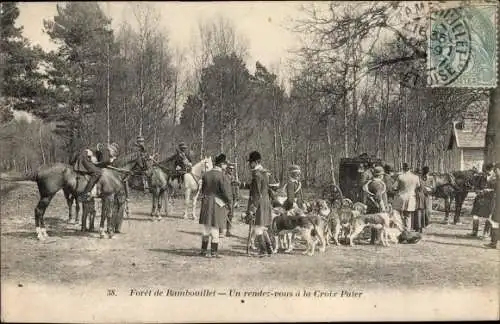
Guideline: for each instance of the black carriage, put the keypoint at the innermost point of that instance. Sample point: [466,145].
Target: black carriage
[349,176]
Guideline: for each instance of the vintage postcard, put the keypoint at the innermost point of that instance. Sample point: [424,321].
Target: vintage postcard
[247,161]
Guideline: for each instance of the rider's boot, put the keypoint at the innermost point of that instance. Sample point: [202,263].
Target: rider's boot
[85,195]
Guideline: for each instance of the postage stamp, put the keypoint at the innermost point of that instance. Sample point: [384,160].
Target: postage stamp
[462,46]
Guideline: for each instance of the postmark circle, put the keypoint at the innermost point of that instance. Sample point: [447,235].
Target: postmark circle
[449,49]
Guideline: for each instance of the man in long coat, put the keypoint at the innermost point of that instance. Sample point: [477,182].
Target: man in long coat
[234,184]
[428,186]
[375,191]
[215,203]
[259,204]
[495,213]
[294,196]
[406,201]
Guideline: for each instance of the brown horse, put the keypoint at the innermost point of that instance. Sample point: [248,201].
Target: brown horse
[51,179]
[456,185]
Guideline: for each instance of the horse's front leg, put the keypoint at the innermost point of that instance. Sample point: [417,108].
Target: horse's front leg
[69,203]
[85,212]
[108,204]
[164,196]
[447,207]
[105,211]
[194,200]
[459,201]
[187,199]
[155,199]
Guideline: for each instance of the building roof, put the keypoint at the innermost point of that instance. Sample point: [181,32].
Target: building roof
[472,136]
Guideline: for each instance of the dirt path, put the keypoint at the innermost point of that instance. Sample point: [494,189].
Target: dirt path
[164,254]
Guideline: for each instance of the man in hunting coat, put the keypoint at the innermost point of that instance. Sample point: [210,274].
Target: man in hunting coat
[215,203]
[376,196]
[365,176]
[105,155]
[494,217]
[259,205]
[294,196]
[406,201]
[234,184]
[428,187]
[389,182]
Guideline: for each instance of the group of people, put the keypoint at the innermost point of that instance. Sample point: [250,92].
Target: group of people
[91,162]
[219,194]
[408,192]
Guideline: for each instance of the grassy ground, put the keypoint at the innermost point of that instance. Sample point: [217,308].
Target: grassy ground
[149,254]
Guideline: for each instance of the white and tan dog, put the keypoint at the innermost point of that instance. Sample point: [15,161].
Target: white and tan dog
[310,228]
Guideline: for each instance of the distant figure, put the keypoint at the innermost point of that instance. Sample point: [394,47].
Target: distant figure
[293,188]
[215,203]
[259,205]
[405,202]
[389,182]
[428,186]
[141,148]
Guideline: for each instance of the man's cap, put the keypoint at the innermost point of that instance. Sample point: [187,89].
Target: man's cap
[231,165]
[388,168]
[140,139]
[183,145]
[254,156]
[294,168]
[378,170]
[219,159]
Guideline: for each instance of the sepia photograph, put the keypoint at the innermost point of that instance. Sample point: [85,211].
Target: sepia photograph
[249,161]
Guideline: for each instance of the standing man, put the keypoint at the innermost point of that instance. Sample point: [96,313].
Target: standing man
[389,182]
[216,200]
[428,187]
[141,148]
[405,202]
[365,176]
[376,196]
[494,218]
[259,205]
[294,196]
[234,184]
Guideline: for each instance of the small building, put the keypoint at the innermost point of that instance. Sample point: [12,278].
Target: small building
[467,141]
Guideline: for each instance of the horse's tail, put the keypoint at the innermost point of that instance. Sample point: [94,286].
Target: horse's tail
[15,177]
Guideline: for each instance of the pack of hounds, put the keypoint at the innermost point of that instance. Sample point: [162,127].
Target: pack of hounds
[343,222]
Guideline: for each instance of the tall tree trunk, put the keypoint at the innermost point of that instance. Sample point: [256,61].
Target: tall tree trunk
[330,151]
[355,114]
[202,130]
[492,141]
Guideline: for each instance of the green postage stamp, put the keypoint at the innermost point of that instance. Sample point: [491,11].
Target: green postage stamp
[462,49]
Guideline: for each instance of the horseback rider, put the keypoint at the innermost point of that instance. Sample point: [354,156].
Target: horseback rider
[183,160]
[141,148]
[105,155]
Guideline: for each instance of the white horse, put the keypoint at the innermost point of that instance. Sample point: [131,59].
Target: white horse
[192,184]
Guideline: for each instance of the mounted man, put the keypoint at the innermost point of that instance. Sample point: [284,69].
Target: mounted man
[104,156]
[182,160]
[141,149]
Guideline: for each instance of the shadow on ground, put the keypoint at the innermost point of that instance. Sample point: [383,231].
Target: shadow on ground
[196,252]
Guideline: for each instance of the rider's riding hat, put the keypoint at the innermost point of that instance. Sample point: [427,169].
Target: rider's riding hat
[254,156]
[220,159]
[182,146]
[378,170]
